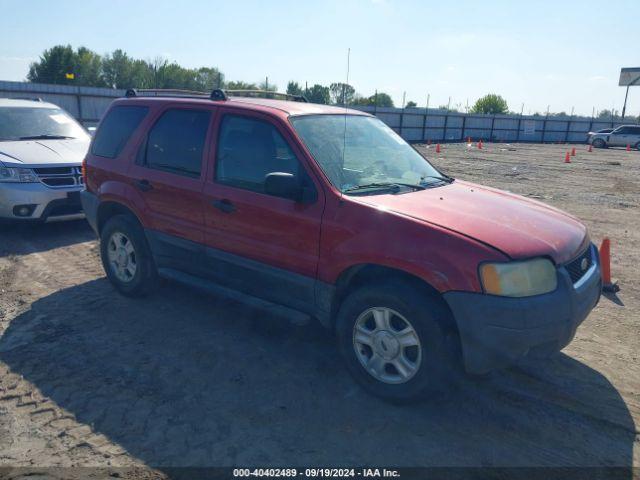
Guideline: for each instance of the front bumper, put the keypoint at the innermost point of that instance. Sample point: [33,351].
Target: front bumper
[45,203]
[498,331]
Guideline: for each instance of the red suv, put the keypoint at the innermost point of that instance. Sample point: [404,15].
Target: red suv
[327,212]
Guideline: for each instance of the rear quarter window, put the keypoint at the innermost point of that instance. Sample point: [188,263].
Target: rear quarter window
[116,129]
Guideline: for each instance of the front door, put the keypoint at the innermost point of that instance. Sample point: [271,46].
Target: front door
[264,245]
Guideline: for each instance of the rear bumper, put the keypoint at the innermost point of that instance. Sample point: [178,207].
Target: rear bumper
[44,203]
[497,331]
[90,203]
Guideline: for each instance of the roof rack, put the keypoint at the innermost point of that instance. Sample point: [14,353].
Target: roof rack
[164,92]
[265,94]
[216,94]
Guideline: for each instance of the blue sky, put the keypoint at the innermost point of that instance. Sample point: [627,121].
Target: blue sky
[560,53]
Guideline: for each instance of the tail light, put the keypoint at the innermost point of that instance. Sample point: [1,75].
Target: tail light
[83,171]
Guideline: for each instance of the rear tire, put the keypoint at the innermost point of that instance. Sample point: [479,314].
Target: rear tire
[374,327]
[599,143]
[126,257]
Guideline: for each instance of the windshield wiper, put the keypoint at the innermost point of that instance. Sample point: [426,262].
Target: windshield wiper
[384,185]
[46,136]
[444,178]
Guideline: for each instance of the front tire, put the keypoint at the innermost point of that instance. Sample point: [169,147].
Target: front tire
[398,341]
[126,257]
[599,143]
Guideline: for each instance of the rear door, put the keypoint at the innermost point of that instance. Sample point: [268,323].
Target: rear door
[263,245]
[634,136]
[169,173]
[619,137]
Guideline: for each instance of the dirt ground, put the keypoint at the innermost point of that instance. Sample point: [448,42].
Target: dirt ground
[90,378]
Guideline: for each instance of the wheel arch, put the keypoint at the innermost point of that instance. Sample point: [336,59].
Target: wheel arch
[111,208]
[361,274]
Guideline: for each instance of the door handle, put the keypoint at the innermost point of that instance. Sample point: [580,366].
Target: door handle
[143,185]
[224,205]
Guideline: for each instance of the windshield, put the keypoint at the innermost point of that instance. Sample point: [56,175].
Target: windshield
[20,123]
[373,153]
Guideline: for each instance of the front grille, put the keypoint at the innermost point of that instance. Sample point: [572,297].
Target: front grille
[60,177]
[577,268]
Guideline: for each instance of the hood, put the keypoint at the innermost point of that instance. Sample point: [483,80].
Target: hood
[41,153]
[517,226]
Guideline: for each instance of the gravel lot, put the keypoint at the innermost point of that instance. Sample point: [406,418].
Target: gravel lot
[90,378]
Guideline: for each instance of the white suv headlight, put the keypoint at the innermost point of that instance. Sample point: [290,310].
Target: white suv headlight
[17,175]
[519,279]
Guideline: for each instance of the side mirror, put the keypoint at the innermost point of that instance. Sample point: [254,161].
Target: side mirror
[286,185]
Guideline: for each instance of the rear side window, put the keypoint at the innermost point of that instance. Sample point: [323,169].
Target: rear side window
[248,150]
[116,129]
[176,142]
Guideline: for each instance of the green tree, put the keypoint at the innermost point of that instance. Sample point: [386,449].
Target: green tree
[381,100]
[293,88]
[54,65]
[172,75]
[88,68]
[268,86]
[607,114]
[341,93]
[491,104]
[117,70]
[411,104]
[142,75]
[207,79]
[240,85]
[318,94]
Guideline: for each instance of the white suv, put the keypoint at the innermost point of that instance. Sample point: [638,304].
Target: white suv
[619,137]
[41,152]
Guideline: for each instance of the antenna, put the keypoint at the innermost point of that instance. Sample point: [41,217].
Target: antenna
[344,138]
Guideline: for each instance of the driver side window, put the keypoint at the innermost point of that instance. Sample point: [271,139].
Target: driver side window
[248,150]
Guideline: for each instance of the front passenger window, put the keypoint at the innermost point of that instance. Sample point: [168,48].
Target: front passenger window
[250,149]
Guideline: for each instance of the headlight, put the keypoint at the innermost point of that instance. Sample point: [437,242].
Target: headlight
[18,175]
[519,279]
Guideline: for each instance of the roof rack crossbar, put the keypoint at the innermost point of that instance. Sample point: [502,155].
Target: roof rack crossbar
[164,92]
[216,94]
[266,94]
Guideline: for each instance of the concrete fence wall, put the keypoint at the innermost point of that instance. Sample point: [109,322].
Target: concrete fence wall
[418,124]
[88,104]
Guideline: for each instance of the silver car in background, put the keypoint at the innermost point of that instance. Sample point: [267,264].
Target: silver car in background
[41,153]
[619,137]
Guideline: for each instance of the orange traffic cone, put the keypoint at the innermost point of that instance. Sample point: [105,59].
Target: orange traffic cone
[590,149]
[573,152]
[438,148]
[567,158]
[628,147]
[605,265]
